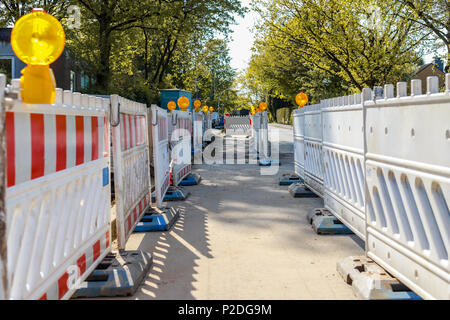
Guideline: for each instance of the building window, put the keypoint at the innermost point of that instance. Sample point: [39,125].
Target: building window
[6,67]
[84,81]
[73,79]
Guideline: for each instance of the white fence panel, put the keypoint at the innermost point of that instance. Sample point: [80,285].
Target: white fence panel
[299,142]
[343,157]
[257,131]
[131,165]
[58,194]
[264,136]
[408,186]
[181,145]
[313,148]
[160,134]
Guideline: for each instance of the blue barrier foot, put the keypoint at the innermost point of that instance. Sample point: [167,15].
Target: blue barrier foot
[155,219]
[175,194]
[191,180]
[289,178]
[370,281]
[268,163]
[119,274]
[324,222]
[299,190]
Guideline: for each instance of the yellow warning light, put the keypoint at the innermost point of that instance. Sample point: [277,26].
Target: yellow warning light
[301,99]
[211,109]
[205,109]
[197,105]
[183,103]
[171,106]
[263,106]
[38,40]
[258,110]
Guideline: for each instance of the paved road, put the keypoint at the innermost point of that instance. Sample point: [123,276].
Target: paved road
[242,236]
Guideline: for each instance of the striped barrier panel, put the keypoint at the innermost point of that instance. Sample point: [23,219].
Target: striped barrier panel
[237,125]
[257,129]
[160,134]
[313,148]
[343,160]
[181,145]
[407,160]
[131,164]
[264,136]
[58,195]
[252,142]
[299,142]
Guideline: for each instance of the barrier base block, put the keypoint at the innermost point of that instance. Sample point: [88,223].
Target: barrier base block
[156,219]
[268,163]
[119,274]
[173,194]
[289,178]
[299,190]
[369,281]
[324,222]
[191,180]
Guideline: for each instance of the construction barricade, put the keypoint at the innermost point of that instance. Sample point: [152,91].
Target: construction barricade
[131,164]
[181,145]
[313,149]
[58,195]
[343,161]
[160,134]
[197,138]
[257,133]
[237,125]
[299,142]
[3,251]
[408,185]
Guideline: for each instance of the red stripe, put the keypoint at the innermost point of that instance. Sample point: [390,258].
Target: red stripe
[62,285]
[135,214]
[105,138]
[82,264]
[44,297]
[94,126]
[131,132]
[129,222]
[136,128]
[107,239]
[37,145]
[124,133]
[79,125]
[10,150]
[61,142]
[96,248]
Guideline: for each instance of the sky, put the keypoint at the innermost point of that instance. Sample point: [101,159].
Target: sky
[242,39]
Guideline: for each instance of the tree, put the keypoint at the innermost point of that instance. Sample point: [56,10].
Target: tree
[433,15]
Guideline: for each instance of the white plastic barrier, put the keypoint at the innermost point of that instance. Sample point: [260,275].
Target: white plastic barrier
[408,186]
[160,134]
[264,137]
[181,145]
[299,142]
[343,158]
[257,131]
[313,148]
[131,164]
[197,133]
[237,125]
[3,252]
[58,194]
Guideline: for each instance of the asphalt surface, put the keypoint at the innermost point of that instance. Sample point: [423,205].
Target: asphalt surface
[242,236]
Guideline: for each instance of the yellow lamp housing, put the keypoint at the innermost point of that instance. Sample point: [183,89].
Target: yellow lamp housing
[197,103]
[171,105]
[211,109]
[183,103]
[301,99]
[205,109]
[38,40]
[263,106]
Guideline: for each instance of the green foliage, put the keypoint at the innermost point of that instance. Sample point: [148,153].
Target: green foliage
[284,116]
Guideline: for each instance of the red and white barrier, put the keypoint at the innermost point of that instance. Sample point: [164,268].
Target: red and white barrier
[131,164]
[160,135]
[58,194]
[197,133]
[181,145]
